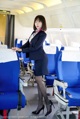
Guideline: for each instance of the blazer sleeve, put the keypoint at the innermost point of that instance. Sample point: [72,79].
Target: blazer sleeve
[37,45]
[25,45]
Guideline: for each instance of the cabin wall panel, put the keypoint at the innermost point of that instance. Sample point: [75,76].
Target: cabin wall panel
[76,17]
[21,31]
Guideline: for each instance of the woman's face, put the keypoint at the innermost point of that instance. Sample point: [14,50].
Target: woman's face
[38,24]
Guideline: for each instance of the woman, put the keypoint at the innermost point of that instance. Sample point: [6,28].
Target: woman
[34,46]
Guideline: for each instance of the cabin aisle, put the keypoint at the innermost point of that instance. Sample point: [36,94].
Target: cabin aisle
[32,98]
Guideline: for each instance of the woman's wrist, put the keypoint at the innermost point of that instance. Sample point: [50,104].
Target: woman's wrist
[20,49]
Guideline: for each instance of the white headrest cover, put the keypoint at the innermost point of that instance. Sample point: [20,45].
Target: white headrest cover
[19,40]
[7,55]
[73,56]
[67,48]
[3,46]
[49,49]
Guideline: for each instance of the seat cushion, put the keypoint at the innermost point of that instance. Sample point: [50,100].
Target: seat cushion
[73,96]
[10,100]
[50,79]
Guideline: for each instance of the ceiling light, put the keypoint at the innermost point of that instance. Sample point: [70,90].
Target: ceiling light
[49,3]
[35,6]
[26,9]
[19,11]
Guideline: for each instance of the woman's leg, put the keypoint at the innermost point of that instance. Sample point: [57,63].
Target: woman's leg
[42,88]
[40,98]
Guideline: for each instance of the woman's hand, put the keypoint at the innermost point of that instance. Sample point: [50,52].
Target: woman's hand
[16,49]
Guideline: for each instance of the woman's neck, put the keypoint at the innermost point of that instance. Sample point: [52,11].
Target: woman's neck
[37,30]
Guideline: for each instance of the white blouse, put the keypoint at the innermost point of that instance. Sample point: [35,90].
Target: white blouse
[31,37]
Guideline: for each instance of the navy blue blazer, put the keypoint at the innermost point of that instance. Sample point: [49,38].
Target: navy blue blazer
[35,47]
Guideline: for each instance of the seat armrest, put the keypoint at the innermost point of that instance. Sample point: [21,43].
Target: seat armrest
[60,83]
[61,98]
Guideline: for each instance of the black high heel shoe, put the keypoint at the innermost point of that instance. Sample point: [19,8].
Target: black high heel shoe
[52,103]
[36,112]
[48,112]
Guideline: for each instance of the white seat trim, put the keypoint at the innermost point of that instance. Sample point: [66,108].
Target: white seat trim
[71,56]
[7,55]
[49,49]
[3,46]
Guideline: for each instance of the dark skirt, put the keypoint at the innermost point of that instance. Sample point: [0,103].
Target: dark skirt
[41,66]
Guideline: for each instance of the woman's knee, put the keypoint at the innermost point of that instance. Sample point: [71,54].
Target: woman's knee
[38,78]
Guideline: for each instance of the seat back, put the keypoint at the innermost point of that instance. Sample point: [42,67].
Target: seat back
[51,52]
[9,71]
[18,43]
[69,68]
[51,63]
[15,43]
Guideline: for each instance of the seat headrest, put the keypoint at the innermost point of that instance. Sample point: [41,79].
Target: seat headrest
[73,56]
[7,55]
[3,46]
[68,48]
[19,40]
[49,49]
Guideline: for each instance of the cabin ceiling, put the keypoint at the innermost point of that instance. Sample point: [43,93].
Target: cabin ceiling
[27,6]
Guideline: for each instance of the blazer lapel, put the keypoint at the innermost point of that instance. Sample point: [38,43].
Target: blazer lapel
[34,39]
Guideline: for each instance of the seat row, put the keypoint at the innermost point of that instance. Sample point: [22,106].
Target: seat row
[11,93]
[67,84]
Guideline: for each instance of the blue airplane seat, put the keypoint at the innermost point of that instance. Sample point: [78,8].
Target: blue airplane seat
[46,43]
[52,63]
[62,48]
[33,65]
[11,96]
[15,43]
[28,65]
[25,60]
[18,45]
[67,84]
